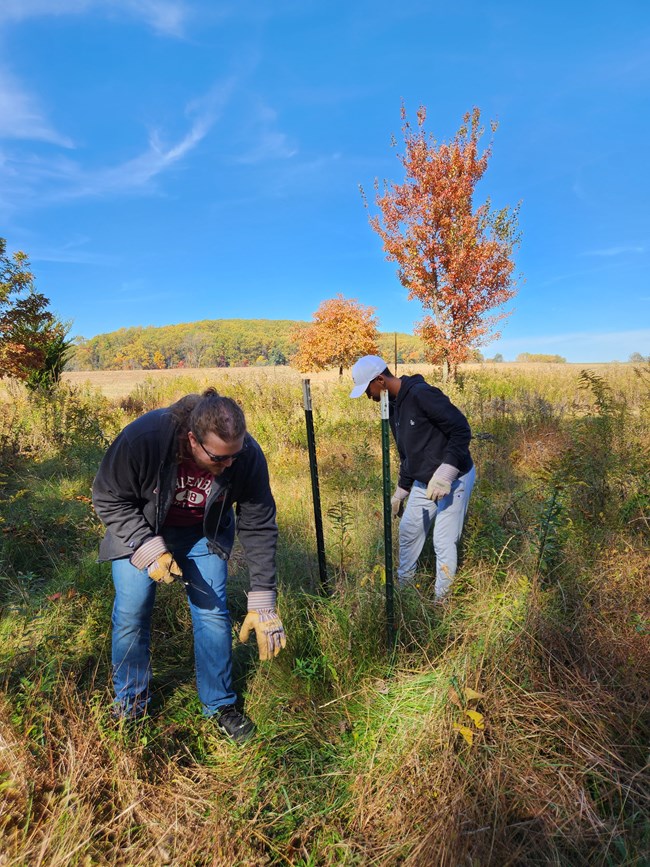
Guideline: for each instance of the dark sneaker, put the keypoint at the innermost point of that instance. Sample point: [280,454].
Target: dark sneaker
[234,724]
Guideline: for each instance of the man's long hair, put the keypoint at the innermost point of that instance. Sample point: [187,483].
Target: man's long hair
[206,413]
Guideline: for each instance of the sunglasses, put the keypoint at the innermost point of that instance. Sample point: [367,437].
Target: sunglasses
[220,459]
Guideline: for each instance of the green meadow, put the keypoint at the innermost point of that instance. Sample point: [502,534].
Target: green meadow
[510,728]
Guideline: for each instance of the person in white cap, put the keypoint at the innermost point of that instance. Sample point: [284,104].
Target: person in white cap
[436,470]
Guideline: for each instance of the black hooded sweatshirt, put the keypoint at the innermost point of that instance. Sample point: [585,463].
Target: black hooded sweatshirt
[429,430]
[134,487]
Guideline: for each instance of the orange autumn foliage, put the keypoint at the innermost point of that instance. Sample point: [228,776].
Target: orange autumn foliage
[454,258]
[33,344]
[342,331]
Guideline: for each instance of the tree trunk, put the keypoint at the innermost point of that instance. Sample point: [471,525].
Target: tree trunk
[340,371]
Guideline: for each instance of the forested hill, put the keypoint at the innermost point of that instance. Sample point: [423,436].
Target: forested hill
[211,343]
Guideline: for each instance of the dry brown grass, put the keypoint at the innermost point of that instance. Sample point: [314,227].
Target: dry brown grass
[118,383]
[92,797]
[551,776]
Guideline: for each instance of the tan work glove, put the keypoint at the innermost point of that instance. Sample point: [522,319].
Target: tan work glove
[440,483]
[153,556]
[397,501]
[165,570]
[268,627]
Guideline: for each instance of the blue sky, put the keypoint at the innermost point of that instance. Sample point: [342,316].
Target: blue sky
[164,161]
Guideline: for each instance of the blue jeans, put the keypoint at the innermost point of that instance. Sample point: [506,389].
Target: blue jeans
[135,594]
[449,517]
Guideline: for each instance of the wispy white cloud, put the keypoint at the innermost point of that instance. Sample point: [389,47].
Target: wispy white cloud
[136,173]
[572,275]
[139,171]
[31,180]
[617,251]
[72,252]
[21,116]
[315,172]
[168,17]
[269,143]
[165,16]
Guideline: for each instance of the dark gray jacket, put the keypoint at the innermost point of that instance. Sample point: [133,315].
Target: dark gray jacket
[135,484]
[429,430]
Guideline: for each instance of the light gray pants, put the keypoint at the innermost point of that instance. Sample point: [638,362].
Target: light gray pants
[448,517]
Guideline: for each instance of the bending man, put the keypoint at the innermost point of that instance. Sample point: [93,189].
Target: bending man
[436,470]
[165,491]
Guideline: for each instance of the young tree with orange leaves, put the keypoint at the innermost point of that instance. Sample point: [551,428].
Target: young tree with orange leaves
[33,344]
[454,258]
[342,330]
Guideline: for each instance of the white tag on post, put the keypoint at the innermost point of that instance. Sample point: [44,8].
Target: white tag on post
[384,403]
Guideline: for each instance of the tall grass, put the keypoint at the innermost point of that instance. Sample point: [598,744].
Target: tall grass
[361,758]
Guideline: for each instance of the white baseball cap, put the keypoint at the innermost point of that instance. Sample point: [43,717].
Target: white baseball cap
[364,371]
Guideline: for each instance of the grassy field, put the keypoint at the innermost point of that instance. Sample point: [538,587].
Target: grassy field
[119,383]
[510,729]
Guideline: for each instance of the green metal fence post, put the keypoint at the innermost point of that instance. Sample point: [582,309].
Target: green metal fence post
[388,517]
[313,467]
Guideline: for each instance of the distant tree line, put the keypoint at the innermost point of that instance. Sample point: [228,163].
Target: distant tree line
[541,357]
[245,342]
[214,343]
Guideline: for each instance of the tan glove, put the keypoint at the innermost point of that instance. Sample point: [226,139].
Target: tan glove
[397,501]
[268,627]
[440,483]
[165,570]
[437,489]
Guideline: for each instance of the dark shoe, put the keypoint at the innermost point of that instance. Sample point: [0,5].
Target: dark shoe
[234,724]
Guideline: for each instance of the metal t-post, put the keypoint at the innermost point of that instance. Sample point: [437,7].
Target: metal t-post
[388,516]
[313,467]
